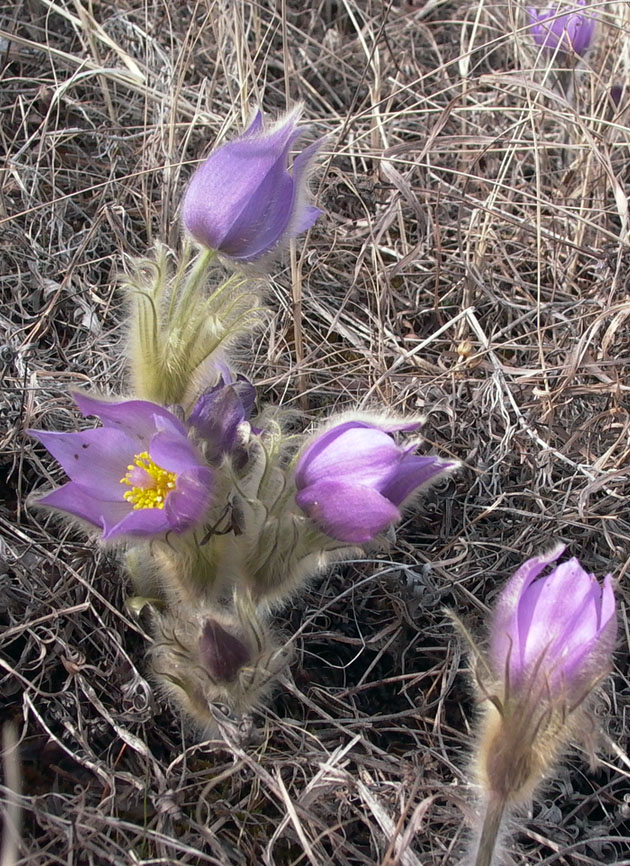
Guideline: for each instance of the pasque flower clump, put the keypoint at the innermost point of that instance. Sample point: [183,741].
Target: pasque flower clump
[219,513]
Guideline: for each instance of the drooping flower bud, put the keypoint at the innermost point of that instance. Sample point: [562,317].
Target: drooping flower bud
[353,479]
[243,201]
[568,32]
[138,475]
[220,415]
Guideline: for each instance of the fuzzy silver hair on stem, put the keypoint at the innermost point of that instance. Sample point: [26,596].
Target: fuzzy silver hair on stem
[178,326]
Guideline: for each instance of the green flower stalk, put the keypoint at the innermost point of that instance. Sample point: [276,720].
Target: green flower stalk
[179,328]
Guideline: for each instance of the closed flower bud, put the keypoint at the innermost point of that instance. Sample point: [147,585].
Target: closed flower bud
[556,632]
[211,655]
[219,418]
[222,653]
[551,641]
[353,479]
[568,32]
[243,201]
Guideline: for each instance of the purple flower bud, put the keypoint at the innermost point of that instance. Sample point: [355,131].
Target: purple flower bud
[616,92]
[568,32]
[219,414]
[353,479]
[242,201]
[137,475]
[557,630]
[221,653]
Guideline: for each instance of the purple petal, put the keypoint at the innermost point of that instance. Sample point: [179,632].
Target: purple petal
[348,512]
[355,450]
[186,505]
[303,214]
[141,523]
[264,218]
[558,615]
[173,453]
[412,474]
[96,459]
[505,641]
[136,417]
[255,126]
[74,500]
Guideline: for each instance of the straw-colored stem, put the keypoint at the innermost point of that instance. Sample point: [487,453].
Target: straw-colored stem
[495,810]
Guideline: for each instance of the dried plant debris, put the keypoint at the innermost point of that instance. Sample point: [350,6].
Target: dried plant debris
[471,267]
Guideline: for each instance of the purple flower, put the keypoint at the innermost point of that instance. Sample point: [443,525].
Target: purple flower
[242,201]
[558,629]
[219,415]
[137,475]
[353,479]
[568,32]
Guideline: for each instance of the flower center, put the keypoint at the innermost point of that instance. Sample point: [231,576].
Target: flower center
[150,484]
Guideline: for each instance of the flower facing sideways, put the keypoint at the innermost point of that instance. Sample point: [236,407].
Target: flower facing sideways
[353,479]
[571,31]
[243,201]
[137,475]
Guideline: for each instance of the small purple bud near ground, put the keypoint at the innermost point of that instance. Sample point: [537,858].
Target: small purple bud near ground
[244,201]
[222,653]
[353,479]
[138,475]
[564,28]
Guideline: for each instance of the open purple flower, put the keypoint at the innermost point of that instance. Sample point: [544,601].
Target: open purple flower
[558,630]
[243,201]
[567,32]
[137,475]
[353,479]
[220,415]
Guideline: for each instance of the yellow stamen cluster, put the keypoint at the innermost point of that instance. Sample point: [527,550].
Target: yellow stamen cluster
[160,482]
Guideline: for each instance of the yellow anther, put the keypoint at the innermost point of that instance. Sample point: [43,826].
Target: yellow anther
[149,486]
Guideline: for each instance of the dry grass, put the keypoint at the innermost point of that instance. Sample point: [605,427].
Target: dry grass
[473,263]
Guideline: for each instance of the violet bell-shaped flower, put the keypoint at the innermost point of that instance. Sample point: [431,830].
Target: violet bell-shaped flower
[243,201]
[137,475]
[570,31]
[557,630]
[353,479]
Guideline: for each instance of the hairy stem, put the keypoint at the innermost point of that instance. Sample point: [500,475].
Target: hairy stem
[495,810]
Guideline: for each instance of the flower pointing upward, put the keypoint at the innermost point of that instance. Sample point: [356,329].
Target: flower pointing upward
[557,631]
[570,31]
[243,201]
